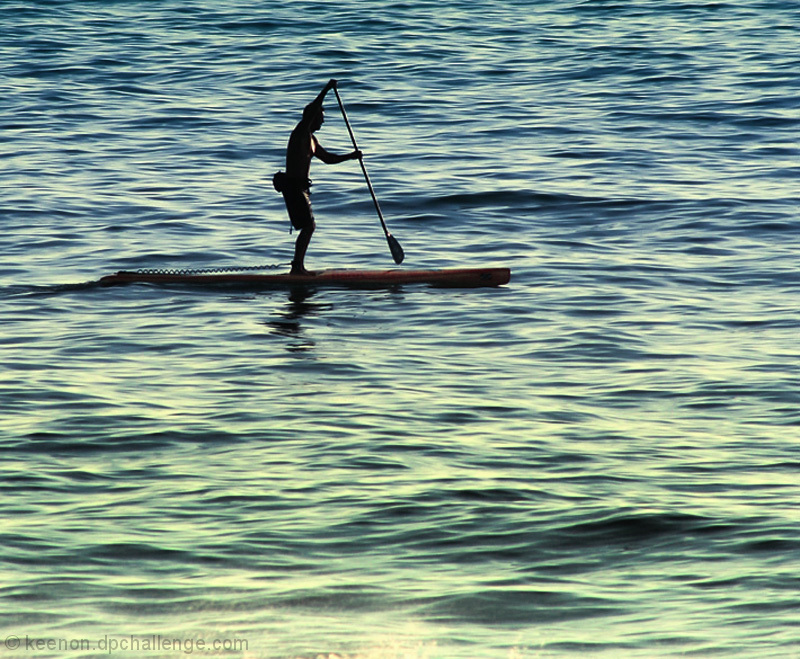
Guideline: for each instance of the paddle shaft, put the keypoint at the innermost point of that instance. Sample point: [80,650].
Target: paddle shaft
[361,162]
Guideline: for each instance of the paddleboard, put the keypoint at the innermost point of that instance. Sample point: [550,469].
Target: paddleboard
[445,278]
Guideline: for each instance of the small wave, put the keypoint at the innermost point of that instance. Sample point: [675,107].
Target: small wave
[636,528]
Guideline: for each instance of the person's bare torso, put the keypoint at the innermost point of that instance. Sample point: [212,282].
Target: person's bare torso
[299,152]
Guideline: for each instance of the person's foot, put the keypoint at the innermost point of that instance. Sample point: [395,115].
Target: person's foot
[300,270]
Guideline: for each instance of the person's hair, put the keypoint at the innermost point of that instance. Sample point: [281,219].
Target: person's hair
[311,110]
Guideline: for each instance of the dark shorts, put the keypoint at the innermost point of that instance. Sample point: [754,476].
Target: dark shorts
[298,205]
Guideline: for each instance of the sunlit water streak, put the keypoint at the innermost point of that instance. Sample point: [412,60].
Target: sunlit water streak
[599,458]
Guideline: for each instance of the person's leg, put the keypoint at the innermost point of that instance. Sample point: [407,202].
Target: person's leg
[300,248]
[298,204]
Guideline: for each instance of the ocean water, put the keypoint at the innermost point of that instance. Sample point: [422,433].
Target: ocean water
[601,458]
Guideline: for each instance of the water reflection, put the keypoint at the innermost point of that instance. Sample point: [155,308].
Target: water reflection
[289,324]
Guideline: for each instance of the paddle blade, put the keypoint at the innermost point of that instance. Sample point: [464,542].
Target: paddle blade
[394,246]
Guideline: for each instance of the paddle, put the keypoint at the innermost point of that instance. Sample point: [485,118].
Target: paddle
[394,246]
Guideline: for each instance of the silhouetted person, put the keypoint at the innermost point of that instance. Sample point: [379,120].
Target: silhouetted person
[295,184]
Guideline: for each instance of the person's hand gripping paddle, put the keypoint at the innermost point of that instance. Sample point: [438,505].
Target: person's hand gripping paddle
[394,246]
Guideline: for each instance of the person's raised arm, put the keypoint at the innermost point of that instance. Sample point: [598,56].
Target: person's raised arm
[321,96]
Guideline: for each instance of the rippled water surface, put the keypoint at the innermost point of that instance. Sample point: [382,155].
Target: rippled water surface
[600,458]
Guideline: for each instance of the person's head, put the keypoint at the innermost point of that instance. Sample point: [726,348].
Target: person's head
[314,114]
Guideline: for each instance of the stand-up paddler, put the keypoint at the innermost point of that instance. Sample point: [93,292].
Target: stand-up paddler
[295,183]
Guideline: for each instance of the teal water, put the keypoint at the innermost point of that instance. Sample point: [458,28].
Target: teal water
[600,458]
